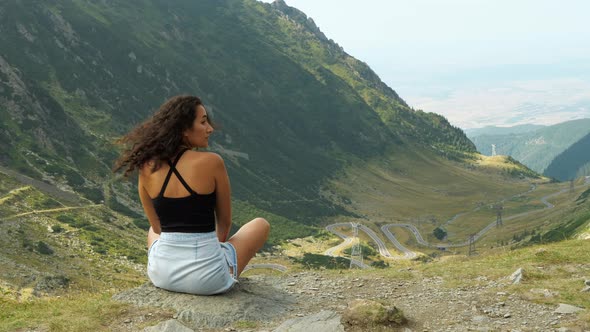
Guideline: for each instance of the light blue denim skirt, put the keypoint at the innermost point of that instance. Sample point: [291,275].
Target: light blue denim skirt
[195,263]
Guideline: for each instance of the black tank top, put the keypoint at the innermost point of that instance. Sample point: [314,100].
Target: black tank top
[190,214]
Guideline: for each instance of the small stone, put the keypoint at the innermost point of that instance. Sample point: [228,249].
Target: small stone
[507,315]
[127,321]
[567,309]
[291,284]
[501,293]
[516,277]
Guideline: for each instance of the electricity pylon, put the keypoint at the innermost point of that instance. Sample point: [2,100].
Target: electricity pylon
[356,254]
[499,209]
[472,245]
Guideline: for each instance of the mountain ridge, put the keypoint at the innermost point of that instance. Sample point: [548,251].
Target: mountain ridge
[537,148]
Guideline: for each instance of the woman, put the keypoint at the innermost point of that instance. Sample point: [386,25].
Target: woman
[185,194]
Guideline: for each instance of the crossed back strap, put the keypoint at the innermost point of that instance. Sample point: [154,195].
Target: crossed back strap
[175,171]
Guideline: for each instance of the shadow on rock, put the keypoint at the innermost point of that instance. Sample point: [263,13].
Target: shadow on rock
[250,300]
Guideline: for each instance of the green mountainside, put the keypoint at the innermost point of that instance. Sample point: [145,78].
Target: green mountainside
[294,107]
[571,163]
[536,149]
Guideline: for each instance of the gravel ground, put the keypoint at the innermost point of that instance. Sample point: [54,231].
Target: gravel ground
[427,304]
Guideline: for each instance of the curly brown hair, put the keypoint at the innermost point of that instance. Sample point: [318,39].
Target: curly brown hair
[160,137]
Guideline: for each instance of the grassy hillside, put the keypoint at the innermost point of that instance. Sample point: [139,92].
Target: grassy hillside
[50,247]
[412,185]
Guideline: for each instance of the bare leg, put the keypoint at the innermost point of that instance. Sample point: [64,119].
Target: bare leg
[248,240]
[152,236]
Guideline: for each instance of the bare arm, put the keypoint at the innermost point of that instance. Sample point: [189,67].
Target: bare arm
[148,207]
[223,198]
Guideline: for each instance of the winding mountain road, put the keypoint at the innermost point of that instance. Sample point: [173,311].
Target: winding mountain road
[347,242]
[408,254]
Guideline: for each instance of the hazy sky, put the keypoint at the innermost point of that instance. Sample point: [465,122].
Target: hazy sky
[422,47]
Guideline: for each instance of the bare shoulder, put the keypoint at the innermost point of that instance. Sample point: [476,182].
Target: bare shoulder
[205,156]
[145,170]
[209,159]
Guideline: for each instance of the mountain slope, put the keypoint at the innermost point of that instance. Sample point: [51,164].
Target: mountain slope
[295,108]
[571,163]
[535,149]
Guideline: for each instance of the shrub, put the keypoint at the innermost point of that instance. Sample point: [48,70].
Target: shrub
[380,264]
[141,223]
[439,233]
[315,261]
[43,248]
[57,228]
[66,219]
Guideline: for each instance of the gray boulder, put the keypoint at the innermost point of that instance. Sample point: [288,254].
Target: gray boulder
[247,301]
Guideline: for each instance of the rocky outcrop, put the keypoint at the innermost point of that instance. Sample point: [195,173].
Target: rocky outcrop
[247,301]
